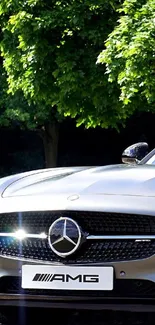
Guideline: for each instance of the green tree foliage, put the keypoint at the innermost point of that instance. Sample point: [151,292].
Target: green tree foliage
[129,55]
[14,109]
[49,50]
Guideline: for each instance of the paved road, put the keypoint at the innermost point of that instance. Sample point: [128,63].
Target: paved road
[59,317]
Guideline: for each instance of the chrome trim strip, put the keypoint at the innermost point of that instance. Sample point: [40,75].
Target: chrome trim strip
[121,237]
[89,237]
[14,235]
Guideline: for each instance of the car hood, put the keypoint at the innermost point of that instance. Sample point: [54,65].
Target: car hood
[124,180]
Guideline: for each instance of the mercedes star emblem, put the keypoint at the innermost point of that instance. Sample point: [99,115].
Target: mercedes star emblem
[64,236]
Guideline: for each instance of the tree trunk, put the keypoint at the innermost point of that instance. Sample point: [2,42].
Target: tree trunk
[50,141]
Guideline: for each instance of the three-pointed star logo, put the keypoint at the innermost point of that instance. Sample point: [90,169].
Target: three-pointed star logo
[64,236]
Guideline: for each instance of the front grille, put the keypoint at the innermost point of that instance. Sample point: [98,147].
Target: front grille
[95,223]
[90,252]
[122,288]
[92,223]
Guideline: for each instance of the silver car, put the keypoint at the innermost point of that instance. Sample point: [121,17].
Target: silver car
[80,237]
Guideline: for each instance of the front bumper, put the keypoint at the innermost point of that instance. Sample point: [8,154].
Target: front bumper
[117,304]
[134,289]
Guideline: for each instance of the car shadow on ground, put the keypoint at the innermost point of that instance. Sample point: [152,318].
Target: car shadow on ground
[39,316]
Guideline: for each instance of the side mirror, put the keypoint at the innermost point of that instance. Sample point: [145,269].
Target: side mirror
[135,153]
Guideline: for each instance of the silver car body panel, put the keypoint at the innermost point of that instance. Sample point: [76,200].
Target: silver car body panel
[118,188]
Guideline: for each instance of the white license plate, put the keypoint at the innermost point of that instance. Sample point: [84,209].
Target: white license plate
[67,277]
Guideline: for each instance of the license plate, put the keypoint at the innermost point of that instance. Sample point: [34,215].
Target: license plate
[67,277]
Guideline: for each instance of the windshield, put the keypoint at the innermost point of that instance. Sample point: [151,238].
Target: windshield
[151,161]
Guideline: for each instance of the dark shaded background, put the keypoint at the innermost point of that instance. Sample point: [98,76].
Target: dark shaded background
[23,150]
